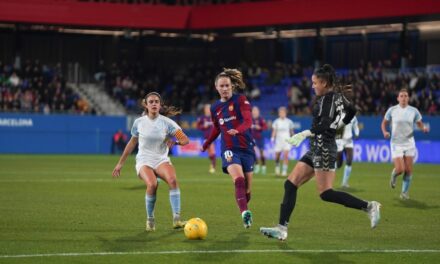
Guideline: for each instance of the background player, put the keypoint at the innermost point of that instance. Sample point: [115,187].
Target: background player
[344,142]
[282,129]
[204,123]
[403,146]
[258,126]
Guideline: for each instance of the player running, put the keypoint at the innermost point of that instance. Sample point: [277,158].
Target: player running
[331,109]
[402,118]
[232,119]
[258,126]
[154,132]
[344,142]
[204,124]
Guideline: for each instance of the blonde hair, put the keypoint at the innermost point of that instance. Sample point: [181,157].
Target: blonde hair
[235,76]
[164,109]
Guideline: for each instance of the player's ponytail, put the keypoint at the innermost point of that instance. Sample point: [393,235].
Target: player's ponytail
[235,76]
[166,110]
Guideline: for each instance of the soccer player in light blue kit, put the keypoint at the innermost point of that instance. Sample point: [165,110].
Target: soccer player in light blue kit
[403,146]
[344,142]
[155,132]
[282,129]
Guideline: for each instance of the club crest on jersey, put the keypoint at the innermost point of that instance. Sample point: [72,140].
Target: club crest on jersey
[231,107]
[228,155]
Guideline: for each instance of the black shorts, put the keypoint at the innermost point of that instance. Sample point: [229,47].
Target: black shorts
[321,156]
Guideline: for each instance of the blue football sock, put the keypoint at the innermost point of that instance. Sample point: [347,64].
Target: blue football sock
[285,168]
[406,182]
[175,201]
[150,201]
[347,172]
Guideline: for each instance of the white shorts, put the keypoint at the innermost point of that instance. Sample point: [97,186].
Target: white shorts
[398,151]
[344,143]
[153,163]
[282,145]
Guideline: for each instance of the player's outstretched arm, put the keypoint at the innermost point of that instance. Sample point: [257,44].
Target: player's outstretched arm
[298,138]
[127,151]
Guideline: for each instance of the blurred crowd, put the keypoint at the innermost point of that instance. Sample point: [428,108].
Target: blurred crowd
[189,87]
[35,88]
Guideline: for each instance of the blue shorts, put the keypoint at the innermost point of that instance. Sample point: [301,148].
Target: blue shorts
[245,158]
[259,143]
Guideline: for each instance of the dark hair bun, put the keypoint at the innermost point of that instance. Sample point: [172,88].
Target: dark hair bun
[328,68]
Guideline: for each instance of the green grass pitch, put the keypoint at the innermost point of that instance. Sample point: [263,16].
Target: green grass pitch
[68,209]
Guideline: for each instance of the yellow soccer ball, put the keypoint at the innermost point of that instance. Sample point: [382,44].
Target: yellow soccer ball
[196,228]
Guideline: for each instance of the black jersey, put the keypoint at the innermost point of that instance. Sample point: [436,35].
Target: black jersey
[328,111]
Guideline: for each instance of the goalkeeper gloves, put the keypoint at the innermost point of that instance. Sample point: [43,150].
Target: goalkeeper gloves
[298,138]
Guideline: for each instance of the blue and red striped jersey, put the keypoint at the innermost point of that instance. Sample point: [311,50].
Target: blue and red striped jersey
[258,125]
[205,124]
[232,114]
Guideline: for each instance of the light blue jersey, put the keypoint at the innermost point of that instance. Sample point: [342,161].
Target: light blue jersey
[402,124]
[153,134]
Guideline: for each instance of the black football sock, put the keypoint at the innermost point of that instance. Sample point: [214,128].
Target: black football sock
[344,198]
[289,201]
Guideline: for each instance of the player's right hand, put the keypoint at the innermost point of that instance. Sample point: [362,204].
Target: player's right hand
[386,134]
[203,147]
[296,139]
[117,171]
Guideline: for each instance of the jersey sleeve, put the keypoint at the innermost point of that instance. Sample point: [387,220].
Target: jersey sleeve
[245,110]
[199,123]
[275,124]
[417,116]
[291,125]
[263,124]
[172,127]
[388,114]
[134,128]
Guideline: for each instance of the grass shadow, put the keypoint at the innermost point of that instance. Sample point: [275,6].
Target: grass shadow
[137,242]
[350,190]
[240,241]
[411,203]
[133,188]
[320,258]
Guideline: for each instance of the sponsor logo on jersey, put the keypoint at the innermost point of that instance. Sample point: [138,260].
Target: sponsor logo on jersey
[221,121]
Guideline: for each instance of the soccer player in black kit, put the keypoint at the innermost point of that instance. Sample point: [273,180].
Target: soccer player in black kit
[331,109]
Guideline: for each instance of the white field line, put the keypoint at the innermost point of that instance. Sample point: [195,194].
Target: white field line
[176,252]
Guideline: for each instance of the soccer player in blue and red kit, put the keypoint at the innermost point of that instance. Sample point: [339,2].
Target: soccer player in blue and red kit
[232,119]
[258,126]
[204,124]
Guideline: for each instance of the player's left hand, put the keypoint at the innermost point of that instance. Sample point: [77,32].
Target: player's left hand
[170,143]
[425,129]
[232,132]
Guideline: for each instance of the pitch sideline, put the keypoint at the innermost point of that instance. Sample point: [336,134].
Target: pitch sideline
[73,254]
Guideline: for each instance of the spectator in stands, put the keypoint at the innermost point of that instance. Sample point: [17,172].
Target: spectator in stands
[119,141]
